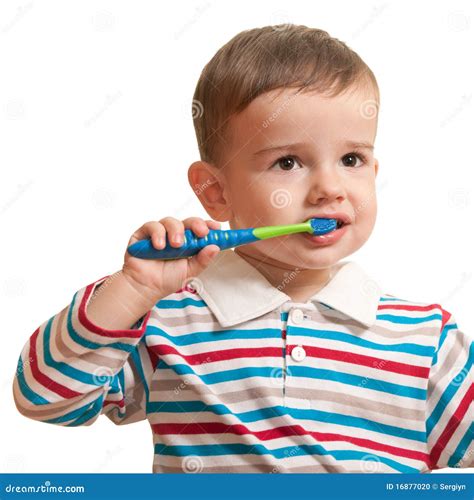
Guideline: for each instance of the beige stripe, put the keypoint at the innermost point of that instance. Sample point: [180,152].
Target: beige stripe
[134,402]
[451,361]
[251,468]
[341,320]
[320,395]
[92,356]
[51,410]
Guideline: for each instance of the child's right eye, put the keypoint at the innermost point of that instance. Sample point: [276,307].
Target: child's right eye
[286,162]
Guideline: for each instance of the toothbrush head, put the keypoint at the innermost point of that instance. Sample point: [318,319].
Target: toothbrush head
[322,226]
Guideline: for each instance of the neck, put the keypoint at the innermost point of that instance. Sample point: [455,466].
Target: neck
[299,284]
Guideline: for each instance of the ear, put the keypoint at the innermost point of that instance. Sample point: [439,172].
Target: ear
[209,185]
[376,167]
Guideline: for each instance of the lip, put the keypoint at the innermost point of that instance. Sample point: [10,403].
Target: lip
[328,238]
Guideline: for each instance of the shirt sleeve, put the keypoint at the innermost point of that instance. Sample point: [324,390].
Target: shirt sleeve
[70,370]
[449,418]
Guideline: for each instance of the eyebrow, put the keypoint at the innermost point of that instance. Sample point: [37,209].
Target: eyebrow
[352,144]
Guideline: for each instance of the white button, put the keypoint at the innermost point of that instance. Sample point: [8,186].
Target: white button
[297,316]
[298,353]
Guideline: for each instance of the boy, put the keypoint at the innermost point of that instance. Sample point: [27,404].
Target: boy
[276,356]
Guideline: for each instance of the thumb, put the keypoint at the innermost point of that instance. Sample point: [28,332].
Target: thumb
[198,262]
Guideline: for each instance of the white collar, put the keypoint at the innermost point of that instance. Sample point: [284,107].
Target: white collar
[236,292]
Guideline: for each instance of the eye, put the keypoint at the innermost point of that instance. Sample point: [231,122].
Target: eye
[350,159]
[286,163]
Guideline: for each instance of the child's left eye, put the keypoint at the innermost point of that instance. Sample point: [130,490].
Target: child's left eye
[351,157]
[286,162]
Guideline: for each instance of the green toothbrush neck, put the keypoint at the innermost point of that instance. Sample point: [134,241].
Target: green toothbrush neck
[271,231]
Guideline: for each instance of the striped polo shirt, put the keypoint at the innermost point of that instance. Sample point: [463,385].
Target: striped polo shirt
[234,376]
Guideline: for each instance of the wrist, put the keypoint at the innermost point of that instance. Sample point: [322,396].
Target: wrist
[146,294]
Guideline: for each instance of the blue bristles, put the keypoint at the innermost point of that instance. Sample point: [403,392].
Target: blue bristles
[323,226]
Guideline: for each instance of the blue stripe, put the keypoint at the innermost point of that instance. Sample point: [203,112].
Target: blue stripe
[179,304]
[450,392]
[279,453]
[384,299]
[276,411]
[68,370]
[200,337]
[447,328]
[357,380]
[75,414]
[138,364]
[461,449]
[30,395]
[405,347]
[298,371]
[408,320]
[92,412]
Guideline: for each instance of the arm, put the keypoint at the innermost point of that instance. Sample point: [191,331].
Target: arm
[88,359]
[449,417]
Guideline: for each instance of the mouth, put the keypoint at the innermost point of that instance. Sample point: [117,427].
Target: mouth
[341,218]
[342,222]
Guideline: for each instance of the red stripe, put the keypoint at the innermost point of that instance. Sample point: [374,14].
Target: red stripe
[92,327]
[43,379]
[284,431]
[211,356]
[407,307]
[452,425]
[316,352]
[373,362]
[121,403]
[446,316]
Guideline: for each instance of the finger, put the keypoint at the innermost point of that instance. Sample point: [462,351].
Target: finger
[198,262]
[146,231]
[174,230]
[213,224]
[197,226]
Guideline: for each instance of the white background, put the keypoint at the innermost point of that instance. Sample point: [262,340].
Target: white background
[96,137]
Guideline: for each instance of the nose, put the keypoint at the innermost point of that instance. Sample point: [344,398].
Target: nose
[326,184]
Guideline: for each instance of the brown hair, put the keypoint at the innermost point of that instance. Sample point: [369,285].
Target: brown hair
[258,60]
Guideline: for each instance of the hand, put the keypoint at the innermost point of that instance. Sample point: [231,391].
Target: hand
[158,278]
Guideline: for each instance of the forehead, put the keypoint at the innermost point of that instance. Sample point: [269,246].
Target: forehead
[285,115]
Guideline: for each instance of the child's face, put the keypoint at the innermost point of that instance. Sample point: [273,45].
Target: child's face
[316,171]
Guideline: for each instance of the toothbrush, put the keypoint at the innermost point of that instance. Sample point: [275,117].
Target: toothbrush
[226,238]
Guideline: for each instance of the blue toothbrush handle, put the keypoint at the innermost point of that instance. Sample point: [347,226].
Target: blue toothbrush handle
[223,238]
